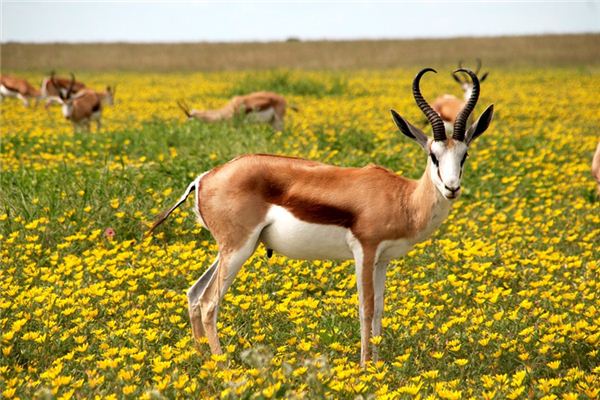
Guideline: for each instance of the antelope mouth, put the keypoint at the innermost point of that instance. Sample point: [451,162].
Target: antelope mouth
[452,195]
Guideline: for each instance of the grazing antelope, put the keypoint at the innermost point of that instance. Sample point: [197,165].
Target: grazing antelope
[266,107]
[449,106]
[53,86]
[308,210]
[596,167]
[11,86]
[85,106]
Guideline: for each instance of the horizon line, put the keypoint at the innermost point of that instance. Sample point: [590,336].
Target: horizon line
[292,39]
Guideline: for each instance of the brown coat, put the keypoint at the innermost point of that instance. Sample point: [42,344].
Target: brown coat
[18,85]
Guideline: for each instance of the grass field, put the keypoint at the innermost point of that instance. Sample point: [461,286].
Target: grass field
[502,302]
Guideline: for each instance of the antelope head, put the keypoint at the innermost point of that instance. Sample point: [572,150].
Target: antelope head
[446,155]
[65,97]
[465,84]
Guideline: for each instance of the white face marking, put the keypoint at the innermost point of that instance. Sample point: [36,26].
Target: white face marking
[446,166]
[294,238]
[67,109]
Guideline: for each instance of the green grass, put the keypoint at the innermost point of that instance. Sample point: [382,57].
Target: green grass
[527,192]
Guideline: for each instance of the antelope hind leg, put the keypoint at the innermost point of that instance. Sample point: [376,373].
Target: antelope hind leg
[194,294]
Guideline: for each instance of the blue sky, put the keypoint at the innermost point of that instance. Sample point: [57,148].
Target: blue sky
[152,21]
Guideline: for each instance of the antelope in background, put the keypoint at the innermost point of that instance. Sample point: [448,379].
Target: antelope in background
[596,167]
[449,106]
[53,86]
[85,106]
[266,107]
[308,210]
[11,86]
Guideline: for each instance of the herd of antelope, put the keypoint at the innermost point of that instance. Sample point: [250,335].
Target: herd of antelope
[304,209]
[80,104]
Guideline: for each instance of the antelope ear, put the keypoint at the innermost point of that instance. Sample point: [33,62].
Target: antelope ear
[482,123]
[457,79]
[409,130]
[483,77]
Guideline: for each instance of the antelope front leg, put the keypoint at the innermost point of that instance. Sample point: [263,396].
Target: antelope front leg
[364,263]
[379,278]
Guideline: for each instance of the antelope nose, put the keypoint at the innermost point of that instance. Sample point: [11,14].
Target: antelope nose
[453,190]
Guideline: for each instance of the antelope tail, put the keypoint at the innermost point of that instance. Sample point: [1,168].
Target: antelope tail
[165,214]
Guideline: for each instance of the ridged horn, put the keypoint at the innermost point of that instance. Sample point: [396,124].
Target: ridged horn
[71,84]
[439,132]
[460,125]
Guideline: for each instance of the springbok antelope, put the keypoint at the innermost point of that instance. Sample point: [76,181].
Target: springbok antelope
[53,86]
[596,167]
[11,86]
[85,106]
[308,210]
[266,107]
[449,106]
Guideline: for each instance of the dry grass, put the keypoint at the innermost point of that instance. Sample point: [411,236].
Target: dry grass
[536,51]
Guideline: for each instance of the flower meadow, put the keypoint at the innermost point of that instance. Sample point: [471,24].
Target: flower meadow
[502,302]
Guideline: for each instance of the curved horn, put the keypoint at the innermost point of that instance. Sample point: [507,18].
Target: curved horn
[56,86]
[71,84]
[439,132]
[184,108]
[461,121]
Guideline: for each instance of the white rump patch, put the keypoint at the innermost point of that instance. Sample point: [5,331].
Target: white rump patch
[196,183]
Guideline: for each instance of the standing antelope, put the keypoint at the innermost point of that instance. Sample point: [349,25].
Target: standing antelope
[266,107]
[84,106]
[53,86]
[449,106]
[308,210]
[11,86]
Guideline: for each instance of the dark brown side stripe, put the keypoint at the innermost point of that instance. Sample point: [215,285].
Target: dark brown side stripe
[307,210]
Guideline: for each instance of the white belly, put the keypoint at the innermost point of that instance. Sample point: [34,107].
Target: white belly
[262,116]
[294,238]
[6,92]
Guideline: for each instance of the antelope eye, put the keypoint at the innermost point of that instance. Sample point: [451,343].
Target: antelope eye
[464,159]
[434,159]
